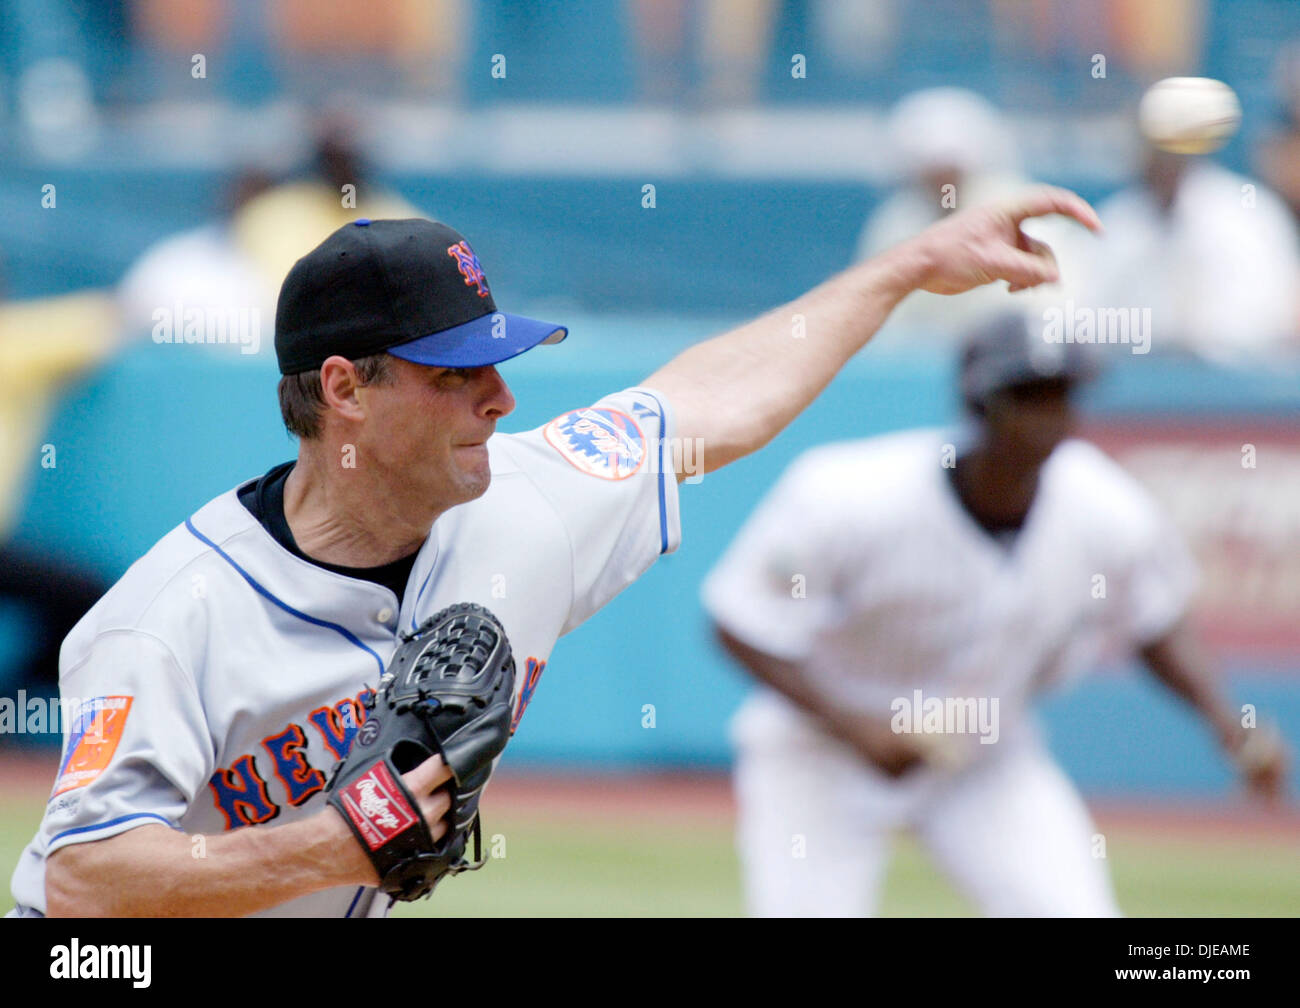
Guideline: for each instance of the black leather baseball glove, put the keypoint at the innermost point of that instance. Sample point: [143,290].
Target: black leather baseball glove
[447,690]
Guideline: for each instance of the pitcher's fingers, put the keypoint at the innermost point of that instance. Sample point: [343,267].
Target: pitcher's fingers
[434,808]
[429,775]
[1024,269]
[1042,200]
[1037,248]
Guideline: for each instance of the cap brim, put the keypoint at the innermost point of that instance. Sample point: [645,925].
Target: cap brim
[1075,375]
[487,340]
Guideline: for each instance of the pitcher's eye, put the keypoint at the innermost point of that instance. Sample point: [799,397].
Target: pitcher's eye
[457,374]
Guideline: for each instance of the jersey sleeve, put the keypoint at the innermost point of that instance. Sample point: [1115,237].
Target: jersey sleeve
[776,587]
[606,470]
[1154,573]
[136,748]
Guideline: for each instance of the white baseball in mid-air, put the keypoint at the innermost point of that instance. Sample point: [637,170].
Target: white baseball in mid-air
[1189,115]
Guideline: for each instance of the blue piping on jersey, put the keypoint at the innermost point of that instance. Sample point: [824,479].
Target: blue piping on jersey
[347,634]
[113,822]
[663,507]
[353,905]
[420,594]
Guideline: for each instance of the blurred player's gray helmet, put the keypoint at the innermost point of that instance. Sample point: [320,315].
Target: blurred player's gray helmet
[1014,348]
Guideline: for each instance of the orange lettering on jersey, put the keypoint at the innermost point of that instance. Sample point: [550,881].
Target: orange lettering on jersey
[93,738]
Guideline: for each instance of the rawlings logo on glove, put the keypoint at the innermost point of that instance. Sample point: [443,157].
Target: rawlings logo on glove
[368,803]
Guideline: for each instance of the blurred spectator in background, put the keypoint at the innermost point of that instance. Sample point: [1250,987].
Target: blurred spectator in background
[423,40]
[953,151]
[1029,33]
[734,38]
[201,270]
[43,344]
[1158,38]
[731,41]
[416,47]
[659,32]
[274,227]
[1279,154]
[1151,38]
[236,265]
[181,27]
[856,37]
[1213,254]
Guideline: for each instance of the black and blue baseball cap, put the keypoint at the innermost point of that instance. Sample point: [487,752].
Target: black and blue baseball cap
[411,287]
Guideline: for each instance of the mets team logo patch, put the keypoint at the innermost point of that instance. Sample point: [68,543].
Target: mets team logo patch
[599,441]
[96,731]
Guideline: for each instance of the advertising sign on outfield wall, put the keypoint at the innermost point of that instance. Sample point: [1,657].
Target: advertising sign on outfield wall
[1232,487]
